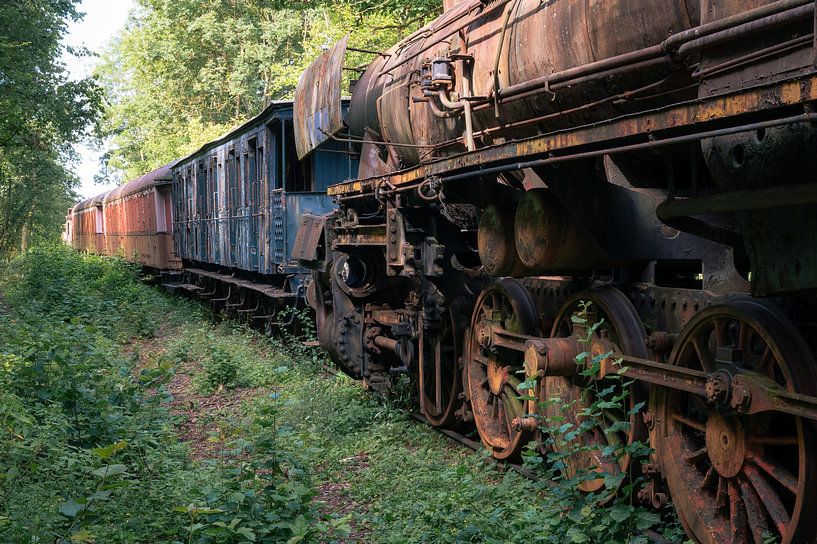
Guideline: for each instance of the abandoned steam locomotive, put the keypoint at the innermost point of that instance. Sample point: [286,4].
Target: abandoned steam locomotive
[655,158]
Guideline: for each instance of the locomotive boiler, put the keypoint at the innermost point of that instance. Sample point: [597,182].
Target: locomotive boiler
[649,164]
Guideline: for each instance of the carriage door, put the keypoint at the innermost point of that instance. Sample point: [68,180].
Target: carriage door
[232,205]
[201,212]
[277,199]
[251,175]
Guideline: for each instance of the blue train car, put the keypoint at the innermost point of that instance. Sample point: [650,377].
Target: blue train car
[237,204]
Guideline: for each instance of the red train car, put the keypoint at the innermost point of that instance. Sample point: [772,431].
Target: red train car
[87,222]
[134,220]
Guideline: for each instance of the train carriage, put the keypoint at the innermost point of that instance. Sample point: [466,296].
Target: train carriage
[133,221]
[237,204]
[86,225]
[138,221]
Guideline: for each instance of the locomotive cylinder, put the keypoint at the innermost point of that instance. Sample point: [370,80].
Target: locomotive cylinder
[495,241]
[548,239]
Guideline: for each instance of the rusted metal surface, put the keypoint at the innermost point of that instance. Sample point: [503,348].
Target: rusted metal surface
[307,238]
[138,221]
[491,375]
[547,238]
[694,115]
[622,144]
[318,110]
[133,221]
[489,51]
[731,478]
[495,243]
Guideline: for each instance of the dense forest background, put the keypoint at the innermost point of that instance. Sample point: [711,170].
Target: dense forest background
[181,73]
[185,71]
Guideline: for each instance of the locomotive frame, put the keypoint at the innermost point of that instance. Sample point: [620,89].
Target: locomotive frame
[681,207]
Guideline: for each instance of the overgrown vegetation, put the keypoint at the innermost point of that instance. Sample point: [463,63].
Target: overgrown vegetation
[185,71]
[102,376]
[89,448]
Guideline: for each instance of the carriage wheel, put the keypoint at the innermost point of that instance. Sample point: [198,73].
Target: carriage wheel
[734,478]
[493,375]
[439,378]
[622,332]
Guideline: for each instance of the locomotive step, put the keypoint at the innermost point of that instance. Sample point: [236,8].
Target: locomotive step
[265,289]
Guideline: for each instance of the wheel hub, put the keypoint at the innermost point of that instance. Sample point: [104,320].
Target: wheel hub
[725,443]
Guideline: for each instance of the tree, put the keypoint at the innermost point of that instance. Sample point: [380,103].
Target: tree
[43,115]
[185,71]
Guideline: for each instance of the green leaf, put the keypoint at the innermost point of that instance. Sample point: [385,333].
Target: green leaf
[110,450]
[71,508]
[247,533]
[109,470]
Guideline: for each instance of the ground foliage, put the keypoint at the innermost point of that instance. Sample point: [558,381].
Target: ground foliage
[185,71]
[43,115]
[89,361]
[89,448]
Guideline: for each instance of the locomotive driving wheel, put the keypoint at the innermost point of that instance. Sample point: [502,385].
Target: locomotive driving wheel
[735,478]
[619,331]
[493,375]
[439,376]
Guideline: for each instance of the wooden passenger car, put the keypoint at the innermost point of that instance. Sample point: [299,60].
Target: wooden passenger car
[133,220]
[238,200]
[87,220]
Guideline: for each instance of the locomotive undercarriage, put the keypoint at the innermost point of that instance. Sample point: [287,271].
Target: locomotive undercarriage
[689,224]
[724,361]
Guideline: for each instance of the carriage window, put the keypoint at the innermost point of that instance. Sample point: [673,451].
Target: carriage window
[232,179]
[214,166]
[275,142]
[99,220]
[251,168]
[297,175]
[201,189]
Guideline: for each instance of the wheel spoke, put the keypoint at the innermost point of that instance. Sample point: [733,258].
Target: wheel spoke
[755,513]
[774,440]
[698,426]
[743,337]
[737,514]
[780,474]
[517,407]
[721,500]
[704,355]
[695,456]
[766,361]
[509,413]
[720,331]
[710,476]
[777,511]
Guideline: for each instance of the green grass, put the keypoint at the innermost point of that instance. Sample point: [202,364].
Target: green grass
[89,362]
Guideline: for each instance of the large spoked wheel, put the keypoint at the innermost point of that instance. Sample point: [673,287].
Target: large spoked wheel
[733,478]
[621,332]
[493,375]
[439,379]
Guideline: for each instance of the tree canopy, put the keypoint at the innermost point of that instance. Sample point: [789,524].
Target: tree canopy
[185,71]
[43,115]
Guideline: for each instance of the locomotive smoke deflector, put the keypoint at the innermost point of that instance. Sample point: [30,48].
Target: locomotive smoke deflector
[318,110]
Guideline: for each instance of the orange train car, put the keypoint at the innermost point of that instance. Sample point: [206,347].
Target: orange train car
[134,220]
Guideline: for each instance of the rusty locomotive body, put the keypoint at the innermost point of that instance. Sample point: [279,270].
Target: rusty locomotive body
[656,159]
